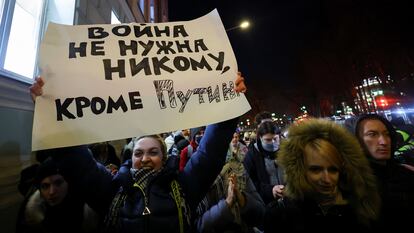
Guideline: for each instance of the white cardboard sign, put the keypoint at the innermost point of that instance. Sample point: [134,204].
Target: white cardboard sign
[107,82]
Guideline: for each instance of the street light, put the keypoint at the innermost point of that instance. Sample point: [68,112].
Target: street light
[245,24]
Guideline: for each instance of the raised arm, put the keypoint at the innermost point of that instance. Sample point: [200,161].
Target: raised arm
[206,163]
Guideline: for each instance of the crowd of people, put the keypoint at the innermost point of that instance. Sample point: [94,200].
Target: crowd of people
[322,177]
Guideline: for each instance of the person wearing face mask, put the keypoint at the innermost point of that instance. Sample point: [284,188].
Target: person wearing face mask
[261,165]
[329,184]
[195,134]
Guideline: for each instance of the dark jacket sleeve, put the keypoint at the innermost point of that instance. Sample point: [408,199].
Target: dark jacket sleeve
[283,216]
[206,163]
[90,178]
[266,191]
[257,172]
[219,216]
[253,212]
[251,168]
[216,218]
[248,164]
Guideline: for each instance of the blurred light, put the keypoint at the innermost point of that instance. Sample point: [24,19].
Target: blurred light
[245,24]
[382,102]
[400,111]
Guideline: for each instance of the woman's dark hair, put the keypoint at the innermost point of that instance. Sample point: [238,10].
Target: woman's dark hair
[267,127]
[261,116]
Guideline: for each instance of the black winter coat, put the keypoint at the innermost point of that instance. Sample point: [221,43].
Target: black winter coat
[100,189]
[286,215]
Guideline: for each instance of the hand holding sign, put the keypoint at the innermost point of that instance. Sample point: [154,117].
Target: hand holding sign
[122,76]
[240,85]
[36,89]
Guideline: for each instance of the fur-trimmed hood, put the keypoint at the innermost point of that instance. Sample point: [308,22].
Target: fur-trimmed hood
[357,181]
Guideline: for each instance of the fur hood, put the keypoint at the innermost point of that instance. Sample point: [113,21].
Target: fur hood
[35,211]
[358,185]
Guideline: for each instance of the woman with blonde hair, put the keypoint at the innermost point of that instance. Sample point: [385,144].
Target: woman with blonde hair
[329,184]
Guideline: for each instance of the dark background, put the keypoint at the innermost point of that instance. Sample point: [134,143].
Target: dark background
[312,52]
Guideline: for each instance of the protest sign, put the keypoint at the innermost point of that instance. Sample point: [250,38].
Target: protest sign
[107,82]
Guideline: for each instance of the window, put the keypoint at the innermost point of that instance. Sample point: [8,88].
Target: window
[142,6]
[1,10]
[148,10]
[23,26]
[152,14]
[114,18]
[61,11]
[20,56]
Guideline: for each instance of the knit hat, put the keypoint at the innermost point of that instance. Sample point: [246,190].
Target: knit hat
[48,168]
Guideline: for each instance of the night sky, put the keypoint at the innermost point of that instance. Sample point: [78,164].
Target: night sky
[311,52]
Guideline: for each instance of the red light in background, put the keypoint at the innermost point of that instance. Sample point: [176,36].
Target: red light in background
[382,101]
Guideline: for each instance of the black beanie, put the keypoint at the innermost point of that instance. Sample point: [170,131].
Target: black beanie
[47,168]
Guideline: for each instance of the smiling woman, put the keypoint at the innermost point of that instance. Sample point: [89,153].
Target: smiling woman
[16,74]
[323,165]
[150,152]
[16,107]
[329,182]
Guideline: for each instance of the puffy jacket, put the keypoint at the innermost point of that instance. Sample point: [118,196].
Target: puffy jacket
[100,188]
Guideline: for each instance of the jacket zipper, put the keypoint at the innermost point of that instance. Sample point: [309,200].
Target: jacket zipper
[146,209]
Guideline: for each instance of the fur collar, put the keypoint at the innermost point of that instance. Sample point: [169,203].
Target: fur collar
[36,209]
